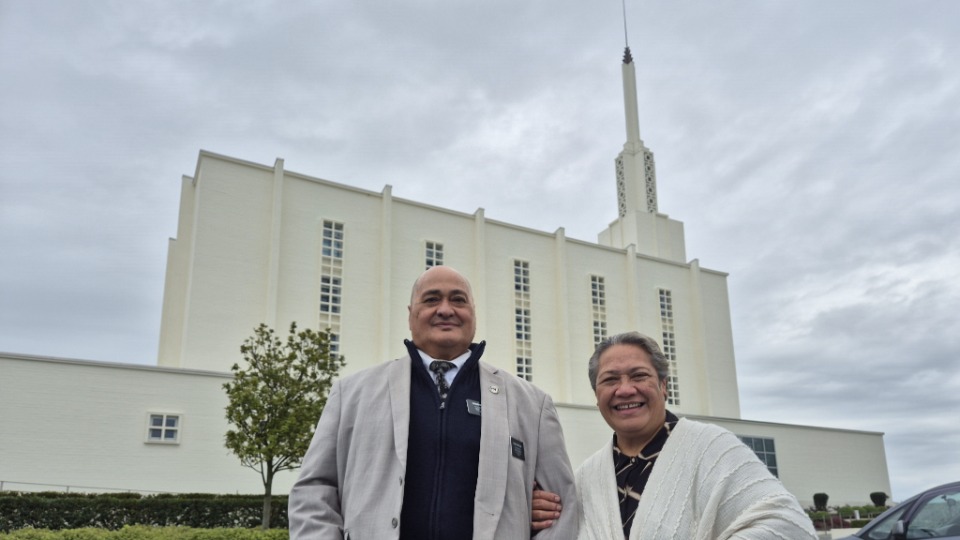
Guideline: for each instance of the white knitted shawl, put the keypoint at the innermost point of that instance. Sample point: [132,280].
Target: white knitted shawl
[705,485]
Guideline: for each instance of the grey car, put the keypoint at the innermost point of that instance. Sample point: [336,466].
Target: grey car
[935,513]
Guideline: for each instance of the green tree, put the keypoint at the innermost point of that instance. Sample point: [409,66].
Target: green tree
[275,400]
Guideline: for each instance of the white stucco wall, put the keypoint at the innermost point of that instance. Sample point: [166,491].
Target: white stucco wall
[77,425]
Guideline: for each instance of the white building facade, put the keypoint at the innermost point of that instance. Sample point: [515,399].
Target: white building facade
[345,258]
[258,244]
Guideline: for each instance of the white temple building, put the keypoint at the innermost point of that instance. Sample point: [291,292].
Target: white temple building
[261,244]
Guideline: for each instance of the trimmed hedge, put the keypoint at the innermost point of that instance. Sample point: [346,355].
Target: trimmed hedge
[113,511]
[842,517]
[143,532]
[866,511]
[879,498]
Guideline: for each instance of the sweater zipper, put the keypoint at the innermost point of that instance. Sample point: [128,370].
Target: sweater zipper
[437,477]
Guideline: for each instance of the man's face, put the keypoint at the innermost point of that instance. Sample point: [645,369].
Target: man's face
[630,396]
[442,321]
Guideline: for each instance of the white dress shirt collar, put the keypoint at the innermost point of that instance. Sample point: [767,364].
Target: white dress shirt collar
[451,373]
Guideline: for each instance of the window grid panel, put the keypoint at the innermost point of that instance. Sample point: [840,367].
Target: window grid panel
[524,367]
[433,254]
[598,301]
[335,343]
[163,428]
[332,239]
[765,450]
[669,345]
[523,319]
[621,188]
[651,173]
[525,362]
[331,281]
[330,299]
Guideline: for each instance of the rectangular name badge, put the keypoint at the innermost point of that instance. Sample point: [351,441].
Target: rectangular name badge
[473,407]
[516,448]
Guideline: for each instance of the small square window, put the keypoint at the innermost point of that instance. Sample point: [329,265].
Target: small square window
[164,428]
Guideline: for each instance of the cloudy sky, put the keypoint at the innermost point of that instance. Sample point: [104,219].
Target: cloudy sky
[812,150]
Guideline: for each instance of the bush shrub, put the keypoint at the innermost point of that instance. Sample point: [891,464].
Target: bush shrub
[143,532]
[878,498]
[842,517]
[112,511]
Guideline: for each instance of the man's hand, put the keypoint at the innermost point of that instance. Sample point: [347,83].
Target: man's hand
[546,508]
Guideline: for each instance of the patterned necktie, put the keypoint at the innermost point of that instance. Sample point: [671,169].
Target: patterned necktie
[440,367]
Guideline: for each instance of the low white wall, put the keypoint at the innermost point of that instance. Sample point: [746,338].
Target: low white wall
[82,425]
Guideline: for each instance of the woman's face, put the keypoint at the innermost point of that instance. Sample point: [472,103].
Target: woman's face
[630,396]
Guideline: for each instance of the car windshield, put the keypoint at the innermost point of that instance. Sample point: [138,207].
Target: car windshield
[938,517]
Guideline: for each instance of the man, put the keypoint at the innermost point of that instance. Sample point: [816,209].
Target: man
[436,445]
[660,477]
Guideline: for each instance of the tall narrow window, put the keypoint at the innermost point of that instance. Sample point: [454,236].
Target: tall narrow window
[331,281]
[598,302]
[669,346]
[434,254]
[522,319]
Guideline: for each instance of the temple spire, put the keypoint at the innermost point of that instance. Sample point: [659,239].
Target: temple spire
[636,173]
[640,227]
[630,102]
[630,89]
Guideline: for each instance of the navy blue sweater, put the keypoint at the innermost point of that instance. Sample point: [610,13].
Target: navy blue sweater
[443,453]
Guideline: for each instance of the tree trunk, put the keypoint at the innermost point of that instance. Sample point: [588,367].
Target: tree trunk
[267,500]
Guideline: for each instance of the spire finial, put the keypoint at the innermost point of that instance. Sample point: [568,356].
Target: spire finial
[627,57]
[626,42]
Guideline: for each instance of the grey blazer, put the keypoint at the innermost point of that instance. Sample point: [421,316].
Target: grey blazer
[351,480]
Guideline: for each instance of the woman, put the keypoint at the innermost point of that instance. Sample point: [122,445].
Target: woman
[662,477]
